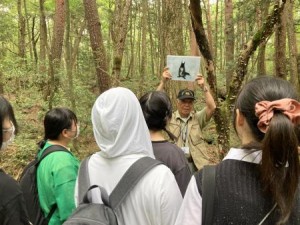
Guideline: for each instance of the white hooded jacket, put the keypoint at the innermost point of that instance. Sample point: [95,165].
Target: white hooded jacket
[122,135]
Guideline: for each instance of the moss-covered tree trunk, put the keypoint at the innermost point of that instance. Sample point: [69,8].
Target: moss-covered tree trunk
[223,112]
[119,33]
[292,43]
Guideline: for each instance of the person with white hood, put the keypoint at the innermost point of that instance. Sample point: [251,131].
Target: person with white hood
[122,135]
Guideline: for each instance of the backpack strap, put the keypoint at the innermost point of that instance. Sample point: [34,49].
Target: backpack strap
[83,180]
[52,148]
[208,192]
[131,177]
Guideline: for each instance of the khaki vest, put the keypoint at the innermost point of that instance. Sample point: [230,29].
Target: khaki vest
[197,146]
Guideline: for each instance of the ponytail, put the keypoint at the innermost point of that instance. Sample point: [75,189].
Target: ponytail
[280,164]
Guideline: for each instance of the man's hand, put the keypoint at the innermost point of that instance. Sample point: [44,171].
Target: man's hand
[200,81]
[166,75]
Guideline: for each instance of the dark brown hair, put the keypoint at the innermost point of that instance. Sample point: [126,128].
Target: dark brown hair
[280,162]
[157,110]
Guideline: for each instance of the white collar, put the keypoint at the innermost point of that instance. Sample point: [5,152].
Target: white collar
[252,156]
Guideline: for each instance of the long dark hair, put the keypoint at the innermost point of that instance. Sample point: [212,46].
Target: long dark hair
[157,110]
[6,111]
[55,121]
[280,162]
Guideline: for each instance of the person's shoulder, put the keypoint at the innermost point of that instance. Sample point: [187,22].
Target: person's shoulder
[8,186]
[61,155]
[160,172]
[60,159]
[171,147]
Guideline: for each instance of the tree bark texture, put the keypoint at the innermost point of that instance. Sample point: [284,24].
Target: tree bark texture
[56,48]
[172,39]
[280,46]
[292,43]
[119,33]
[94,28]
[262,12]
[202,41]
[22,35]
[43,53]
[68,47]
[144,46]
[229,42]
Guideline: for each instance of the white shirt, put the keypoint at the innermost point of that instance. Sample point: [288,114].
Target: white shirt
[122,135]
[190,212]
[155,200]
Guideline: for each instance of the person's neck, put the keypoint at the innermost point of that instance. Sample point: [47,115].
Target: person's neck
[63,143]
[184,116]
[156,135]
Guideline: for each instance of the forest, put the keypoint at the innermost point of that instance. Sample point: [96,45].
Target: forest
[67,52]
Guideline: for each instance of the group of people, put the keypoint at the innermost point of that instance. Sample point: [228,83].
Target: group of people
[257,182]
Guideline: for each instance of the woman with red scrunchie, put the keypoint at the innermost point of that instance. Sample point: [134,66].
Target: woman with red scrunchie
[257,183]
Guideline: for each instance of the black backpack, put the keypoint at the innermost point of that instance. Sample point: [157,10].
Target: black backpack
[28,183]
[88,213]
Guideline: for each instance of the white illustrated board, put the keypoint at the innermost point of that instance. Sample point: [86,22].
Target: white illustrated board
[183,68]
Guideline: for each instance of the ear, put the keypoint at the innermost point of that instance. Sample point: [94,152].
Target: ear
[240,119]
[64,133]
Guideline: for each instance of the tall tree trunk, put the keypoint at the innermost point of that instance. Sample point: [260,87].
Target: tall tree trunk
[43,52]
[229,42]
[216,33]
[209,27]
[94,28]
[70,89]
[262,12]
[292,41]
[202,41]
[34,41]
[152,47]
[56,48]
[172,38]
[21,34]
[27,19]
[280,46]
[144,46]
[121,15]
[43,37]
[77,41]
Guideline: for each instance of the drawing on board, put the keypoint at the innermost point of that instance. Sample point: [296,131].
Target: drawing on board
[184,68]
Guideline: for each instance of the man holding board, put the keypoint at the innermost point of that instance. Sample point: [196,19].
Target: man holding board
[187,124]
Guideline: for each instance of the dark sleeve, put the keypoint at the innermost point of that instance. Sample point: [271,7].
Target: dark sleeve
[12,205]
[14,212]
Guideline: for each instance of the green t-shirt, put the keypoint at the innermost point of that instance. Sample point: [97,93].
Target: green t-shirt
[56,177]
